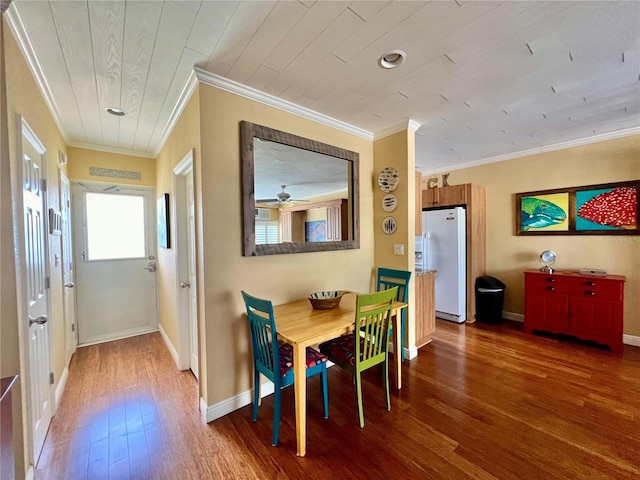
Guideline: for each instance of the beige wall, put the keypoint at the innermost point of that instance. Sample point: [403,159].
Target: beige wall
[224,271]
[80,159]
[184,137]
[23,98]
[508,255]
[397,151]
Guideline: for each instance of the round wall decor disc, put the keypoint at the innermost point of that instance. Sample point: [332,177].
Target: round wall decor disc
[388,179]
[389,225]
[389,202]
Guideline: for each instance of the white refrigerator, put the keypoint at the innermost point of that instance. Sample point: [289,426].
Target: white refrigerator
[444,250]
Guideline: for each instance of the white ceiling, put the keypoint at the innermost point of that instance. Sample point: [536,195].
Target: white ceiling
[482,79]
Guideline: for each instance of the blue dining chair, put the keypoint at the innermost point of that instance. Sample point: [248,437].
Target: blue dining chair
[274,359]
[389,278]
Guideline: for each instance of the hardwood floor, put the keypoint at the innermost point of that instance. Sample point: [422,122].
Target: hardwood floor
[480,401]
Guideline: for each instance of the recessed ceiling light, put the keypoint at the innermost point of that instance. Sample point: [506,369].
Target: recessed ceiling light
[392,59]
[118,112]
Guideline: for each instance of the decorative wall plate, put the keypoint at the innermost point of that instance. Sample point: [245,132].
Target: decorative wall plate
[388,179]
[389,202]
[389,225]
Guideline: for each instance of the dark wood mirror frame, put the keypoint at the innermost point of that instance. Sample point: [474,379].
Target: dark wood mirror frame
[249,131]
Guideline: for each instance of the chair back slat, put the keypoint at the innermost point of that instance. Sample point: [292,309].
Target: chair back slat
[373,315]
[389,278]
[262,326]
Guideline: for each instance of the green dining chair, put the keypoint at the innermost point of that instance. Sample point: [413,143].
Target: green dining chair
[388,278]
[368,345]
[274,359]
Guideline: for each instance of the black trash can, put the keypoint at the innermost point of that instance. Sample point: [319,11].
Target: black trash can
[489,299]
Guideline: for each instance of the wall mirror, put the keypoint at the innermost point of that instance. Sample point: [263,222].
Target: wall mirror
[298,195]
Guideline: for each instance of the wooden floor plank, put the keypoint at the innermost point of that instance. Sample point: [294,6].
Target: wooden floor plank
[479,402]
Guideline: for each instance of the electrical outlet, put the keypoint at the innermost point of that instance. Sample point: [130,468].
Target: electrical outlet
[398,249]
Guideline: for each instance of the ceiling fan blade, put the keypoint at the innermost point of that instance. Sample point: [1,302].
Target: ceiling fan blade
[266,200]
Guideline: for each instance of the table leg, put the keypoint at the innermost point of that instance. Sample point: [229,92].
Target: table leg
[300,386]
[397,346]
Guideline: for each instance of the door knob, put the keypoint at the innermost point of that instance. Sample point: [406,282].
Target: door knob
[69,285]
[185,284]
[41,320]
[151,267]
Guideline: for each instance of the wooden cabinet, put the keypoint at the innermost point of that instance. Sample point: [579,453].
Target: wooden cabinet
[473,198]
[444,196]
[291,226]
[337,222]
[584,306]
[334,212]
[425,308]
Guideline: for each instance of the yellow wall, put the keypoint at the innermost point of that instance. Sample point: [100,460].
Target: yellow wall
[23,97]
[508,255]
[80,159]
[184,137]
[224,271]
[397,151]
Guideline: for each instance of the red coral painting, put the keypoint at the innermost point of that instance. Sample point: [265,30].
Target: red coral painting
[607,209]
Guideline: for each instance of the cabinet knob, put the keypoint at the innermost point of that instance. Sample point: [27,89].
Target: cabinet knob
[551,288]
[550,279]
[589,292]
[591,284]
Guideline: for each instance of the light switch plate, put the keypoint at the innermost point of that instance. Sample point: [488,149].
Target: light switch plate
[398,249]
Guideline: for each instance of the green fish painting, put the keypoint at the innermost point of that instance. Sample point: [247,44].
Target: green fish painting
[537,213]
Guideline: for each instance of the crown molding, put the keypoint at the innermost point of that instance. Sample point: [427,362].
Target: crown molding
[20,34]
[104,148]
[184,97]
[231,86]
[399,127]
[538,150]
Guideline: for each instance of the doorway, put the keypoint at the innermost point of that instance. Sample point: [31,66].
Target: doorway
[115,258]
[187,293]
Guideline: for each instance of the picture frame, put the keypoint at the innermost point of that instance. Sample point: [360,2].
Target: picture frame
[164,225]
[602,209]
[315,231]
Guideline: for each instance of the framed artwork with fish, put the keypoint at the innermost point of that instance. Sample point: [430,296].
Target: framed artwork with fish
[605,209]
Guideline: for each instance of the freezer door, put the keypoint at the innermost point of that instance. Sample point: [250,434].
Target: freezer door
[446,253]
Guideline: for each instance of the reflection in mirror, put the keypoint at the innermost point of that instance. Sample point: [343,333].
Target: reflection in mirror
[299,195]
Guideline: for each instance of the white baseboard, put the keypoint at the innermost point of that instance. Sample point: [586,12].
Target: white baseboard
[134,332]
[220,409]
[60,388]
[410,353]
[516,317]
[170,347]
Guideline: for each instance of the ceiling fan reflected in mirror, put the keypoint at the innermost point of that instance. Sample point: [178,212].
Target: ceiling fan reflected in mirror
[547,258]
[281,197]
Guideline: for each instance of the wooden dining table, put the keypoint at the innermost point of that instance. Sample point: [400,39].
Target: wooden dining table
[299,324]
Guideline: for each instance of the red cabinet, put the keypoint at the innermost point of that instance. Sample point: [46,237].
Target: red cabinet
[584,306]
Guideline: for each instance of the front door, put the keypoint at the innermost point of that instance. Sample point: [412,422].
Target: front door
[37,303]
[115,239]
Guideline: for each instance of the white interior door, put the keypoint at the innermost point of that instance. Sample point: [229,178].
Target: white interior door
[191,264]
[187,292]
[35,254]
[115,262]
[69,304]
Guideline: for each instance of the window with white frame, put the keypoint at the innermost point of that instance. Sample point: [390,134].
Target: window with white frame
[266,232]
